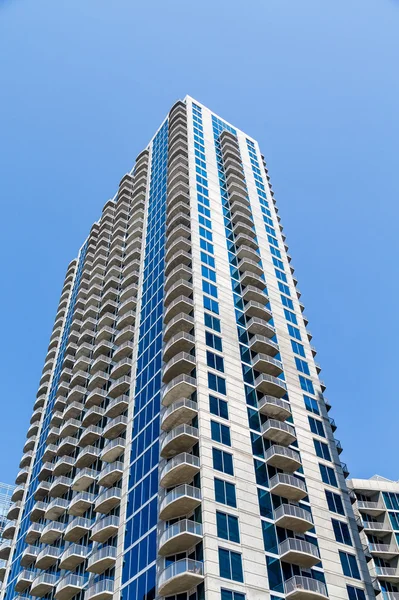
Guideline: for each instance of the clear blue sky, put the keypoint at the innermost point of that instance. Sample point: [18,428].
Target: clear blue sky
[84,85]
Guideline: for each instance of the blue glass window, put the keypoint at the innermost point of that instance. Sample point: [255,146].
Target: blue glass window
[349,565]
[230,565]
[225,492]
[216,383]
[218,407]
[316,426]
[334,502]
[222,461]
[328,475]
[220,433]
[355,593]
[227,527]
[322,450]
[341,531]
[214,361]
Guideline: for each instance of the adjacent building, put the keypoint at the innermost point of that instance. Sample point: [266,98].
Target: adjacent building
[377,504]
[180,444]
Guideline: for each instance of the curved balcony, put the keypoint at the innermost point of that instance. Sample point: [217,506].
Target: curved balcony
[260,327]
[56,508]
[18,493]
[278,432]
[283,458]
[177,274]
[298,552]
[266,364]
[77,528]
[288,486]
[32,430]
[49,452]
[128,318]
[179,387]
[22,476]
[53,435]
[13,511]
[180,469]
[24,579]
[305,588]
[102,590]
[180,288]
[257,309]
[29,444]
[70,427]
[119,386]
[47,557]
[29,555]
[180,576]
[42,490]
[243,238]
[38,511]
[121,368]
[117,406]
[67,446]
[181,304]
[105,528]
[87,456]
[110,474]
[108,500]
[43,585]
[90,435]
[254,294]
[92,416]
[60,486]
[33,533]
[182,322]
[276,408]
[95,397]
[56,418]
[115,427]
[63,465]
[270,386]
[103,559]
[52,532]
[80,503]
[84,479]
[73,556]
[9,530]
[293,517]
[180,244]
[98,380]
[181,342]
[180,501]
[179,537]
[181,411]
[113,450]
[384,551]
[5,549]
[180,439]
[178,258]
[181,363]
[69,586]
[253,279]
[180,231]
[246,252]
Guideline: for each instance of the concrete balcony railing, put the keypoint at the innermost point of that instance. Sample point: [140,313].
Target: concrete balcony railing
[304,588]
[293,517]
[181,411]
[263,363]
[283,458]
[24,579]
[181,342]
[278,432]
[9,530]
[33,533]
[180,439]
[288,486]
[275,408]
[182,322]
[298,552]
[29,555]
[18,493]
[90,435]
[180,501]
[14,510]
[117,406]
[115,427]
[180,469]
[52,532]
[179,537]
[22,476]
[181,304]
[60,486]
[257,309]
[87,456]
[180,576]
[260,327]
[105,528]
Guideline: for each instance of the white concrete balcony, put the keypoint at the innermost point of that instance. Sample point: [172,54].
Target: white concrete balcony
[33,533]
[73,556]
[247,252]
[257,309]
[266,364]
[47,557]
[98,380]
[76,394]
[95,397]
[70,428]
[181,304]
[79,378]
[178,232]
[32,430]
[115,427]
[110,474]
[77,528]
[374,509]
[270,386]
[56,418]
[283,458]
[108,500]
[254,294]
[390,574]
[36,415]
[18,493]
[3,569]
[181,411]
[293,517]
[29,444]
[42,490]
[52,532]
[24,579]
[179,537]
[121,368]
[181,323]
[180,469]
[384,551]
[180,576]
[243,238]
[127,305]
[14,510]
[43,585]
[92,416]
[29,555]
[80,503]
[22,476]
[288,486]
[38,511]
[49,452]
[257,326]
[298,552]
[128,318]
[69,586]
[103,559]
[252,278]
[53,435]
[117,406]
[113,450]
[102,590]
[180,501]
[177,274]
[180,244]
[179,207]
[278,432]
[276,408]
[181,363]
[125,350]
[60,486]
[177,259]
[9,530]
[63,465]
[105,528]
[180,288]
[180,439]
[5,549]
[304,588]
[119,387]
[181,386]
[90,435]
[83,479]
[56,508]
[181,342]
[379,529]
[59,403]
[87,456]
